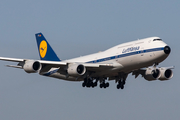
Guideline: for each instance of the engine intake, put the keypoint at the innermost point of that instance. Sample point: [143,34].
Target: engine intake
[31,66]
[152,74]
[76,69]
[166,74]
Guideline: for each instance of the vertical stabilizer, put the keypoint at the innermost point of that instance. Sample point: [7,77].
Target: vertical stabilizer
[44,49]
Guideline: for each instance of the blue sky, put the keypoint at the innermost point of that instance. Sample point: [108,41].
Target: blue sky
[75,28]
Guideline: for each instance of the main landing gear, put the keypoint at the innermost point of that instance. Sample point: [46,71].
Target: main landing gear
[121,84]
[104,84]
[89,82]
[121,80]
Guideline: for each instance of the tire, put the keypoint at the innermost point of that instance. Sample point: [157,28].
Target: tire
[88,85]
[83,84]
[107,84]
[101,85]
[95,84]
[118,86]
[122,86]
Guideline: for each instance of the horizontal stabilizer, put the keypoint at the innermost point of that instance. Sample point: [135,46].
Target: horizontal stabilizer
[14,66]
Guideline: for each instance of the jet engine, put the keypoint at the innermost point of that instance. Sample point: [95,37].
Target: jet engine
[152,74]
[31,66]
[76,69]
[166,74]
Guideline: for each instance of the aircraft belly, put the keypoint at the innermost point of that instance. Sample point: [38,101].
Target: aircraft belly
[64,77]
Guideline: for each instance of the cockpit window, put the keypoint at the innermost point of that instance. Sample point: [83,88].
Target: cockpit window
[157,40]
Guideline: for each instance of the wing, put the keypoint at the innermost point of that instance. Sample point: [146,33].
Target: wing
[62,66]
[22,62]
[11,59]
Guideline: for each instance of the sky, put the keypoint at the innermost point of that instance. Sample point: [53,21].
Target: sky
[76,28]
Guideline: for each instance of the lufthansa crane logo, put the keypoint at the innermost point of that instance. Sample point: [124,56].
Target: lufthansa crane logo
[43,48]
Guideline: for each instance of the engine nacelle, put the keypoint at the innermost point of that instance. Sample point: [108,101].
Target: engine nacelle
[76,69]
[166,74]
[152,74]
[31,66]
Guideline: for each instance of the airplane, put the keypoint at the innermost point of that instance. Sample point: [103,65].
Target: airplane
[139,57]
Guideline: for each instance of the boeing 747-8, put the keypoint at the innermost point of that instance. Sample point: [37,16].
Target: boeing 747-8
[139,57]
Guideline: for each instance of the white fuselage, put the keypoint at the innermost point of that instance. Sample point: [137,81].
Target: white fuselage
[125,57]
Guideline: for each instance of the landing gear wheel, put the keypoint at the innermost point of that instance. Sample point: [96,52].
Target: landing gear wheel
[101,85]
[83,84]
[95,83]
[107,84]
[88,85]
[122,86]
[118,86]
[92,85]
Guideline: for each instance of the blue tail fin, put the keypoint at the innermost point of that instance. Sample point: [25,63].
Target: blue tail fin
[44,49]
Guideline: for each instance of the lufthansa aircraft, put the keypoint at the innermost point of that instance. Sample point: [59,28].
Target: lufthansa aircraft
[115,63]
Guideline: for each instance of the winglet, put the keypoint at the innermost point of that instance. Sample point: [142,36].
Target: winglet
[44,49]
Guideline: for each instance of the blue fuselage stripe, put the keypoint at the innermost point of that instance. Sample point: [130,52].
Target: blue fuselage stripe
[125,55]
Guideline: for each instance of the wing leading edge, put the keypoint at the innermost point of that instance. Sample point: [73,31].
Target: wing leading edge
[52,64]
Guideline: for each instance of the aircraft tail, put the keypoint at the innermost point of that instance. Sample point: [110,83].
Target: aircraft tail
[44,49]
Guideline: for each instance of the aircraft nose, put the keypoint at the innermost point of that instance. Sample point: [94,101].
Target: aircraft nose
[167,49]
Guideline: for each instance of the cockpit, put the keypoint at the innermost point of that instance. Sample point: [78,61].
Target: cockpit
[157,40]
